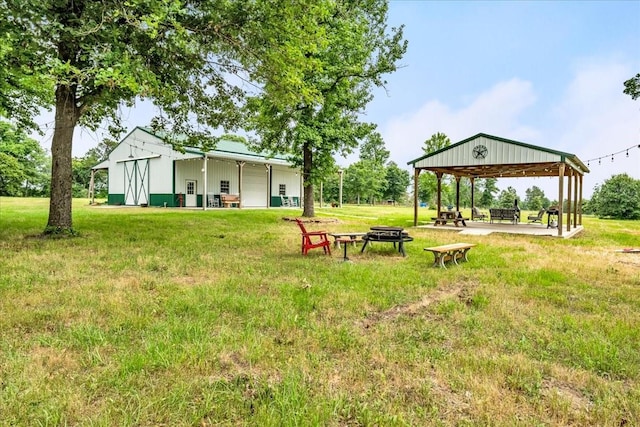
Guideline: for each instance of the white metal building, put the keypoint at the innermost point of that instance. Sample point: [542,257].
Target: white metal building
[144,170]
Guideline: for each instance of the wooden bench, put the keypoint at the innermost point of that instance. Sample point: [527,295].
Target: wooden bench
[452,252]
[498,214]
[229,199]
[346,237]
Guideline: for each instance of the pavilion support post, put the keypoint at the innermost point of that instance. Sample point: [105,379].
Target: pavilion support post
[569,205]
[458,193]
[439,190]
[580,200]
[473,190]
[560,196]
[575,199]
[416,175]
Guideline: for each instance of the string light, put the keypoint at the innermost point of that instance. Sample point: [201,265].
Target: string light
[625,150]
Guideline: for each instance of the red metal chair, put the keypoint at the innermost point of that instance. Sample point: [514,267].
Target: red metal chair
[314,239]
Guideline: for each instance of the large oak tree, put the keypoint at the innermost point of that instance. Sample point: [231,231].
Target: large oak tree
[194,60]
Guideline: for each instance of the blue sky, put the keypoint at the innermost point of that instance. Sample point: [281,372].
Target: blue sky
[548,73]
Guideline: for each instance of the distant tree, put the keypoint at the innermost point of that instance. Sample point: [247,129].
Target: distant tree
[465,192]
[632,87]
[23,163]
[507,198]
[374,150]
[330,188]
[428,182]
[396,182]
[427,187]
[618,197]
[81,171]
[364,182]
[587,207]
[535,199]
[437,142]
[490,188]
[357,51]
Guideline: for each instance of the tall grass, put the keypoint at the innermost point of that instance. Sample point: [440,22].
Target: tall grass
[183,317]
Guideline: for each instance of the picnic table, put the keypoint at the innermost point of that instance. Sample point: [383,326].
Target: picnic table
[387,234]
[446,216]
[452,252]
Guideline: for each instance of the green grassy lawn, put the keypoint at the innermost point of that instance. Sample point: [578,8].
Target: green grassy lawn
[183,317]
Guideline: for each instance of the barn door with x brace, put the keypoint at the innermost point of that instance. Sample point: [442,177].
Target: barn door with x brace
[136,182]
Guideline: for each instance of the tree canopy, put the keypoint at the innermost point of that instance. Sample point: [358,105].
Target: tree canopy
[195,61]
[632,87]
[23,163]
[357,49]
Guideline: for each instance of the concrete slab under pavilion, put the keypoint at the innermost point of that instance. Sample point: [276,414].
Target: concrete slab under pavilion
[479,228]
[487,156]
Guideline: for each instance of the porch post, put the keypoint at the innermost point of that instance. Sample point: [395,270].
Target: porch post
[560,196]
[205,201]
[268,167]
[240,166]
[92,195]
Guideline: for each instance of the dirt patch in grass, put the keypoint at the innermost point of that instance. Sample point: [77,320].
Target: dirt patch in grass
[462,291]
[568,392]
[312,220]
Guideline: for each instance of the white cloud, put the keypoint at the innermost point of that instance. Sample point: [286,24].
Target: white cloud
[495,112]
[592,118]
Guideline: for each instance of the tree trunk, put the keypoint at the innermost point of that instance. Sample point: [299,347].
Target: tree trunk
[61,175]
[307,167]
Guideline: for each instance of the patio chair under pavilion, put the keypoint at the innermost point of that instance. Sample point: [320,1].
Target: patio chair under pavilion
[487,156]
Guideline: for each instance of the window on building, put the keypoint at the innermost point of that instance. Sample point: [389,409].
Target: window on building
[282,190]
[224,187]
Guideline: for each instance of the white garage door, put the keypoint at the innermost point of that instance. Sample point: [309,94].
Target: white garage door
[254,186]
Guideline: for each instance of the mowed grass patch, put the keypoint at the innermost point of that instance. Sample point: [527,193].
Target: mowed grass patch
[187,317]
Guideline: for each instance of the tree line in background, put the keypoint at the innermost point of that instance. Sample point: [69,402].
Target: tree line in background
[25,172]
[297,75]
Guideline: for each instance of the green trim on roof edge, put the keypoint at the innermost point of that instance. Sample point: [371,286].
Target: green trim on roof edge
[563,155]
[229,150]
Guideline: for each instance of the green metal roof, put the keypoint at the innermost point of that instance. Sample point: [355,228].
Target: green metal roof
[563,155]
[226,146]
